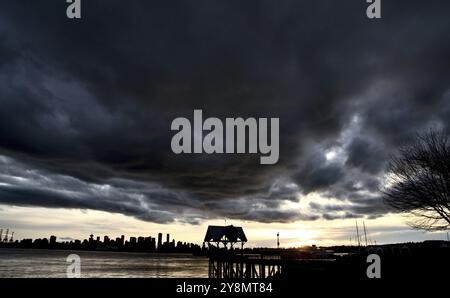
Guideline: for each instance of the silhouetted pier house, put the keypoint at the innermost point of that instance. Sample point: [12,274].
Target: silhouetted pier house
[224,262]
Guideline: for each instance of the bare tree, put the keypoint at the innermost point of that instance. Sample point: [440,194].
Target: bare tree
[419,181]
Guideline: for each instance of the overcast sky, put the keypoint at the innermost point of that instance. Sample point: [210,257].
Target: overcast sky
[86,106]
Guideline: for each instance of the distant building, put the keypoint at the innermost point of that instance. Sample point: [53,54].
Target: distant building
[141,243]
[153,244]
[159,240]
[168,238]
[52,240]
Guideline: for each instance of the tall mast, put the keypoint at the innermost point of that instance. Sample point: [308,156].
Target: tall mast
[365,234]
[357,233]
[6,235]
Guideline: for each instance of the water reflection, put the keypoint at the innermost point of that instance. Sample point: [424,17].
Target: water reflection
[52,263]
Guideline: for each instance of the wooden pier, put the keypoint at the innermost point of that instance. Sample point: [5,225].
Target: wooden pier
[244,266]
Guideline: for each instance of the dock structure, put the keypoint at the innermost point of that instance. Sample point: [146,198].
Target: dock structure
[244,266]
[226,262]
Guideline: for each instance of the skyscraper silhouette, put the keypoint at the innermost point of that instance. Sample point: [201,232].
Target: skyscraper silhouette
[159,241]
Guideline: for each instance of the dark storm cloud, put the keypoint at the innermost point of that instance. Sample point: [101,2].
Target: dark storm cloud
[90,102]
[372,207]
[313,179]
[366,154]
[146,201]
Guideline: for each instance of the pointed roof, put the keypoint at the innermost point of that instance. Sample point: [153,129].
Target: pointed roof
[232,234]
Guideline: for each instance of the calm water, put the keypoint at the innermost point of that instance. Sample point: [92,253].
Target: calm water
[52,263]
